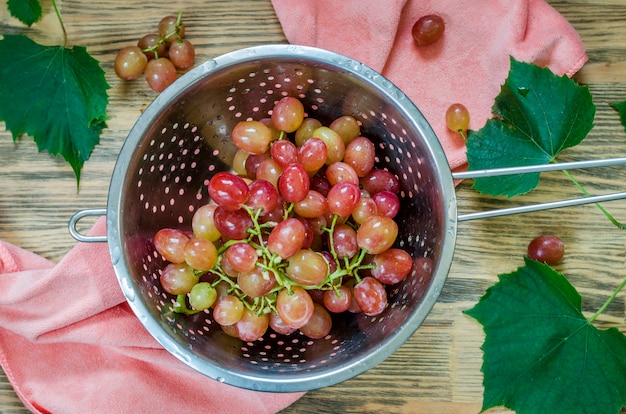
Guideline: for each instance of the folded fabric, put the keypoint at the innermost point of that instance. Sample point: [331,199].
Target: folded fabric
[467,65]
[69,343]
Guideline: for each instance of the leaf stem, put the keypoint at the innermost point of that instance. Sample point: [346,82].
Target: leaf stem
[56,10]
[608,215]
[608,301]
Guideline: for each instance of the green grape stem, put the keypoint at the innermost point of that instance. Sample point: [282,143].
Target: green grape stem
[608,301]
[582,189]
[58,14]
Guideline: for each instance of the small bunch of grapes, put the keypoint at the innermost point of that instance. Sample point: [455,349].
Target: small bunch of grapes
[303,227]
[158,56]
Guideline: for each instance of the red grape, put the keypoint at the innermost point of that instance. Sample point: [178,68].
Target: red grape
[344,241]
[152,46]
[294,183]
[312,206]
[340,171]
[312,154]
[228,310]
[251,326]
[182,54]
[262,195]
[428,29]
[241,256]
[347,127]
[228,191]
[256,282]
[284,152]
[547,248]
[338,300]
[202,223]
[387,203]
[378,180]
[160,73]
[233,225]
[170,30]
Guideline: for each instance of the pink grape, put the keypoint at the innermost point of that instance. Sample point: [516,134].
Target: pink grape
[251,326]
[170,243]
[319,325]
[312,155]
[279,326]
[371,296]
[295,308]
[160,73]
[294,183]
[241,256]
[307,267]
[377,234]
[387,203]
[343,198]
[200,254]
[360,155]
[178,278]
[312,206]
[338,301]
[252,163]
[340,171]
[251,136]
[344,241]
[256,282]
[284,152]
[288,114]
[228,190]
[262,195]
[392,266]
[152,46]
[169,30]
[378,180]
[365,208]
[228,310]
[182,54]
[269,170]
[286,238]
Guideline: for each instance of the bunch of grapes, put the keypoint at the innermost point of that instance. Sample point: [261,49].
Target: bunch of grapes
[303,227]
[158,56]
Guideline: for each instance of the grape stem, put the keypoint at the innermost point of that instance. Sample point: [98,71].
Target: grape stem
[608,301]
[56,11]
[582,189]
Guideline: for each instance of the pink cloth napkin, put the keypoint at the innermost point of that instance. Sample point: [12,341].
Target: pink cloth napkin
[467,65]
[69,343]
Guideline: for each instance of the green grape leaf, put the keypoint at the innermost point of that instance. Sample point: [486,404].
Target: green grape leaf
[55,94]
[620,107]
[540,354]
[538,115]
[26,11]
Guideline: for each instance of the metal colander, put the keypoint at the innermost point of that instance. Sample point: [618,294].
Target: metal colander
[183,138]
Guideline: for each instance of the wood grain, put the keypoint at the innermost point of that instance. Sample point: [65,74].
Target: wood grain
[438,369]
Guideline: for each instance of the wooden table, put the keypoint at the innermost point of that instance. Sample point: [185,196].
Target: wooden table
[438,369]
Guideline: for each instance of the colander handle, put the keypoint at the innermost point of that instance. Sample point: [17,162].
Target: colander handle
[540,168]
[80,215]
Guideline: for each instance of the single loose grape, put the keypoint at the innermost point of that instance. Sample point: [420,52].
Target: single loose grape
[457,118]
[547,248]
[428,29]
